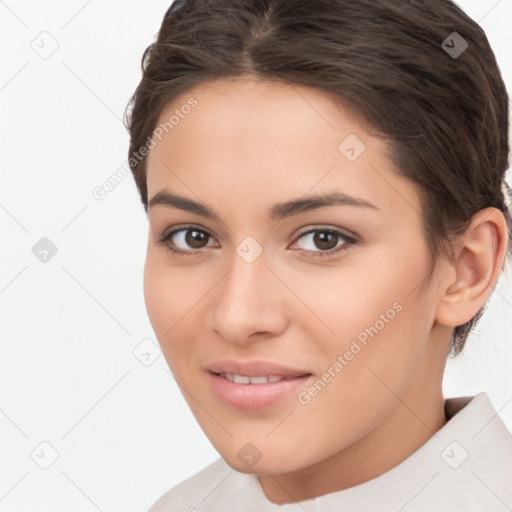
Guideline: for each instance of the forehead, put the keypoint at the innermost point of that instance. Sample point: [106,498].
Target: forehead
[261,104]
[251,135]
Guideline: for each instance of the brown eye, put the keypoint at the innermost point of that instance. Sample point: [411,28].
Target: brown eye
[195,238]
[186,240]
[325,242]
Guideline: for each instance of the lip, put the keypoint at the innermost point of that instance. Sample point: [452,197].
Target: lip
[254,396]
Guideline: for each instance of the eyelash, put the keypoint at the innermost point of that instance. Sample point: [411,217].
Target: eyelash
[349,242]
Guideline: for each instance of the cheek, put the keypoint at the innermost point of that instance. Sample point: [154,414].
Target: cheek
[379,327]
[349,299]
[358,383]
[169,295]
[156,290]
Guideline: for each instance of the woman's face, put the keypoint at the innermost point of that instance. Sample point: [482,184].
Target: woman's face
[303,259]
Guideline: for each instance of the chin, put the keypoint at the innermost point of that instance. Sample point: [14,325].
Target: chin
[266,459]
[274,467]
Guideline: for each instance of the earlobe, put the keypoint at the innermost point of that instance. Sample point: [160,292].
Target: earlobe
[477,266]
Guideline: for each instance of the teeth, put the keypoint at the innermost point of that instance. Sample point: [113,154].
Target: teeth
[244,379]
[258,380]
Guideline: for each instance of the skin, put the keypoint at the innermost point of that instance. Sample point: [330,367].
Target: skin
[247,145]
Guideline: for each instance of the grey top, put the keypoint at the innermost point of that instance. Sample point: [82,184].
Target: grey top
[466,466]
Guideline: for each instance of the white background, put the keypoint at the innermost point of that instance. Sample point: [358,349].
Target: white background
[69,327]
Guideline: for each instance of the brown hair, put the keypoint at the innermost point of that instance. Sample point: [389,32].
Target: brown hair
[444,115]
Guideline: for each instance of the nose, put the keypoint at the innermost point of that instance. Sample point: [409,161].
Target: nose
[248,303]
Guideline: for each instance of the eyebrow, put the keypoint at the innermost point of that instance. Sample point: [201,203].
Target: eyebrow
[276,212]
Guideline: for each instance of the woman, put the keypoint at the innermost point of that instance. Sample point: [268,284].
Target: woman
[325,189]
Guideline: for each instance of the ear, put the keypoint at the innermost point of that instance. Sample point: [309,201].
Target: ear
[475,269]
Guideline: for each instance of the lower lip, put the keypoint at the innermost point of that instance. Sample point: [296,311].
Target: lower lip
[253,396]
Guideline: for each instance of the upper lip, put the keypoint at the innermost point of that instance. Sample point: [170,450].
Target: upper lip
[254,368]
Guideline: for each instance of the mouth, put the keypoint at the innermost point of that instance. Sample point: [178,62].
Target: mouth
[252,386]
[246,379]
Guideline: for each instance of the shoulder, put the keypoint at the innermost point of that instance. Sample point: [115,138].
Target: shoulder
[193,491]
